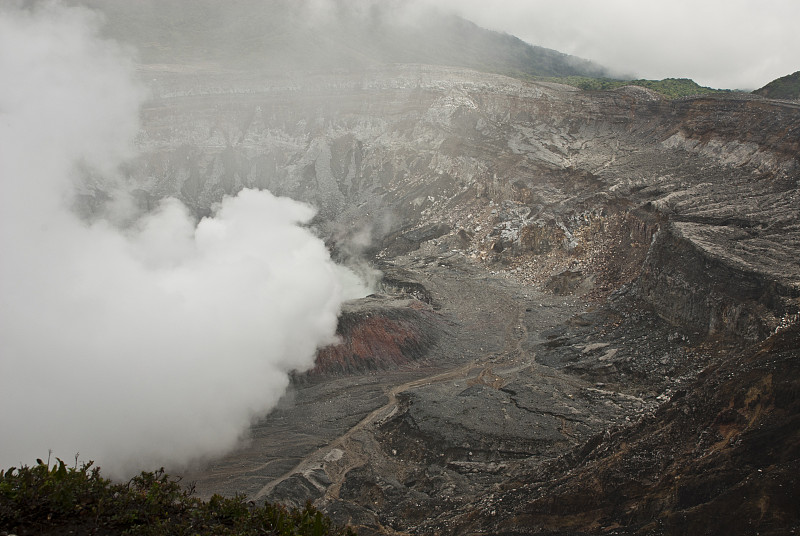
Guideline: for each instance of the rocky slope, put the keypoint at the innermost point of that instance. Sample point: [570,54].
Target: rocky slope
[587,320]
[720,457]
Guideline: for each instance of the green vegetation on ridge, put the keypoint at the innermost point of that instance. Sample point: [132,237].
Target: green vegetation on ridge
[672,88]
[785,87]
[77,500]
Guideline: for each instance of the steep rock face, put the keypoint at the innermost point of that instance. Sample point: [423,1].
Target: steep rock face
[510,172]
[762,129]
[693,283]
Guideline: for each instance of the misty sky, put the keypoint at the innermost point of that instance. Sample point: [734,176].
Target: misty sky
[735,44]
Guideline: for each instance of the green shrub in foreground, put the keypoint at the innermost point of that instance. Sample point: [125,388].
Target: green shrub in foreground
[43,499]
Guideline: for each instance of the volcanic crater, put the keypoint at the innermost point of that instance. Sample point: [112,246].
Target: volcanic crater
[588,317]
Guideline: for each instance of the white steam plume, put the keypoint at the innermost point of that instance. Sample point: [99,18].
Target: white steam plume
[153,345]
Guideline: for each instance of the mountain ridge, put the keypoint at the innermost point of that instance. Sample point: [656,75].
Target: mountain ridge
[785,87]
[279,35]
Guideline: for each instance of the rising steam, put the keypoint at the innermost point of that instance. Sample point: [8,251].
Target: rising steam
[156,343]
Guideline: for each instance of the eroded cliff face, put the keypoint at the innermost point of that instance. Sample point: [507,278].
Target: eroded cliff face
[530,177]
[561,264]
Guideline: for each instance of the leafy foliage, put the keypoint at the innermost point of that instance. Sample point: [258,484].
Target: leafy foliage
[44,499]
[672,88]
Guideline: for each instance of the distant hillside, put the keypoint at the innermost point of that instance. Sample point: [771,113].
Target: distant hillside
[298,35]
[672,88]
[785,87]
[306,35]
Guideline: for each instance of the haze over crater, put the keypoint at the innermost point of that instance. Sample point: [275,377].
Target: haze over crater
[135,339]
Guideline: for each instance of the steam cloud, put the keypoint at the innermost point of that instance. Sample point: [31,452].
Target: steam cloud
[156,343]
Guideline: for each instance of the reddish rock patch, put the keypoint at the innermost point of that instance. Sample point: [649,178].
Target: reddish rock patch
[378,339]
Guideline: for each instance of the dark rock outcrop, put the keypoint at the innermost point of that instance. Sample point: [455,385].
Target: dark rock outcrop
[721,456]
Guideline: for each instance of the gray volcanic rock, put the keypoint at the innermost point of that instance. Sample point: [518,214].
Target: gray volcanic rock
[702,464]
[417,153]
[568,273]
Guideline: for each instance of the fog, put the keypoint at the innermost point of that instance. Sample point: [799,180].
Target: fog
[738,44]
[735,44]
[157,340]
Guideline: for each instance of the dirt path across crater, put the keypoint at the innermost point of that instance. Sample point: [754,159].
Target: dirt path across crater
[347,451]
[316,459]
[486,320]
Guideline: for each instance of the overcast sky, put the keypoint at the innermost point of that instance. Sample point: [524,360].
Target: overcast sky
[735,44]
